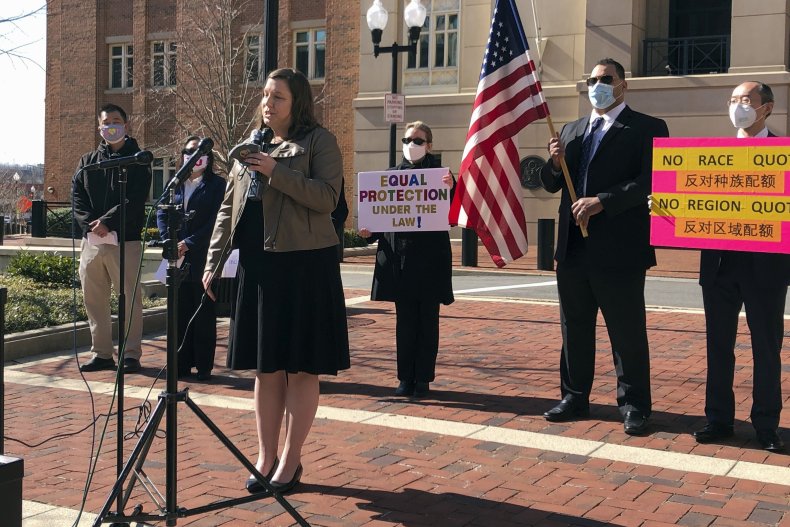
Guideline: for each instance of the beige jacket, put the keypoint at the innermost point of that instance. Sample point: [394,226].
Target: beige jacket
[298,199]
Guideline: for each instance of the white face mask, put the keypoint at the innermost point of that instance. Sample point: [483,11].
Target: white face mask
[602,95]
[742,115]
[414,152]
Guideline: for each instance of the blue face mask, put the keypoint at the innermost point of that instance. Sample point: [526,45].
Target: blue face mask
[602,95]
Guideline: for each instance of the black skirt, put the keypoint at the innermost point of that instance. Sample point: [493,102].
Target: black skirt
[290,312]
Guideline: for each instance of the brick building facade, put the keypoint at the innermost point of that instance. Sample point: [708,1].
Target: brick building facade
[146,55]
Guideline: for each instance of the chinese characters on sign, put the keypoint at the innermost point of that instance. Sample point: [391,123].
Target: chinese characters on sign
[721,193]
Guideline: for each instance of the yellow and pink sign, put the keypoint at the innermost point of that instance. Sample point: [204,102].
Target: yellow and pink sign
[721,193]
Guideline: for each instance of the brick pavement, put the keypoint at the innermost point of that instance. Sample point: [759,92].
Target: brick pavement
[497,368]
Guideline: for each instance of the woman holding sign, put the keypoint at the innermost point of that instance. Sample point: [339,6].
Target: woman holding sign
[414,270]
[290,318]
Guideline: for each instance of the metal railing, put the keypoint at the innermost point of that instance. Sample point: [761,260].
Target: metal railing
[686,56]
[51,218]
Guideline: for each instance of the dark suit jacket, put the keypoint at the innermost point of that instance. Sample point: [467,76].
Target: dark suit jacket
[620,174]
[196,233]
[768,270]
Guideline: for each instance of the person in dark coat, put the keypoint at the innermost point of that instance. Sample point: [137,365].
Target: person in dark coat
[97,211]
[757,282]
[414,270]
[201,194]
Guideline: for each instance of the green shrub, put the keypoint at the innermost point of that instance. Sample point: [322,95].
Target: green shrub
[45,268]
[33,305]
[352,239]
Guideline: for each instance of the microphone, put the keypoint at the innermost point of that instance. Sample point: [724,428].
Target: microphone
[258,137]
[144,157]
[204,147]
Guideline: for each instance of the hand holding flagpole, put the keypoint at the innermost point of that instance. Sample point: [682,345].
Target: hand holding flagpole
[565,172]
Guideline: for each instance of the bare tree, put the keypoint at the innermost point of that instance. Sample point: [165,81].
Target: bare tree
[10,25]
[217,84]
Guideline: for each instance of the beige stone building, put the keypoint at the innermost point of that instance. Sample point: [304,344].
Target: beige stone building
[682,60]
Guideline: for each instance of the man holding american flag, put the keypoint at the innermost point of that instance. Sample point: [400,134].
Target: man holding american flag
[603,247]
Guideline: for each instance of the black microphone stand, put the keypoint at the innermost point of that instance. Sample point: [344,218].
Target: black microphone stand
[169,511]
[122,180]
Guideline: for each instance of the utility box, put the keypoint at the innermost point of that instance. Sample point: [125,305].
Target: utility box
[12,470]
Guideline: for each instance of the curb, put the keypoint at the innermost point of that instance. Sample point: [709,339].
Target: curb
[64,337]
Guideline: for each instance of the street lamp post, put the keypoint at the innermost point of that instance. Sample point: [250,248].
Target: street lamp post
[414,16]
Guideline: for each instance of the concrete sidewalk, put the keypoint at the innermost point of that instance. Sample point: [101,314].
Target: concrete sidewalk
[475,453]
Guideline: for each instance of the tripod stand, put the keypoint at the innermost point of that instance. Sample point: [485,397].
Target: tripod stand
[167,406]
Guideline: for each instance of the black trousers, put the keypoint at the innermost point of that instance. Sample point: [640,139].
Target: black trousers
[198,343]
[723,298]
[417,339]
[620,295]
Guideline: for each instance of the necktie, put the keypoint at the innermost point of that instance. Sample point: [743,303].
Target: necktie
[584,160]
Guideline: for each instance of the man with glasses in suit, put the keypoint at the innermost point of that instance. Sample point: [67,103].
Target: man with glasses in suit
[731,280]
[609,155]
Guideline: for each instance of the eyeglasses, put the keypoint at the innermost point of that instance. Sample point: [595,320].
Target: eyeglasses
[188,151]
[603,79]
[419,141]
[743,99]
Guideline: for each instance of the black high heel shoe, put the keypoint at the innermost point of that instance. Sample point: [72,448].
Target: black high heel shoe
[254,486]
[288,486]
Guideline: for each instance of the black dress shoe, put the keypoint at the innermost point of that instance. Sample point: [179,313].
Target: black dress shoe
[254,486]
[569,409]
[288,486]
[203,376]
[422,389]
[769,440]
[131,365]
[713,432]
[98,364]
[405,389]
[635,423]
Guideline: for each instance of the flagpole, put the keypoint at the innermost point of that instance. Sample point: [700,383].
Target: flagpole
[565,172]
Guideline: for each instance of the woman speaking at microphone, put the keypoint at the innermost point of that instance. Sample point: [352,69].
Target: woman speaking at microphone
[290,316]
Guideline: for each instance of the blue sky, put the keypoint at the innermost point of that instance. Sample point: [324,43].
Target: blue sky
[22,88]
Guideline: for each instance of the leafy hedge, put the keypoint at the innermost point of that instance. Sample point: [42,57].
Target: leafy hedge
[45,268]
[40,292]
[352,239]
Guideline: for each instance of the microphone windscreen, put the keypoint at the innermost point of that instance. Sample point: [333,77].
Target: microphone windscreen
[205,145]
[144,157]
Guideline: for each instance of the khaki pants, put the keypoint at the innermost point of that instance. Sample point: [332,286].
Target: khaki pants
[99,269]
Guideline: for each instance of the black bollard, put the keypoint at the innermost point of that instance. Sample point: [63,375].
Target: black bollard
[468,248]
[12,469]
[546,244]
[39,219]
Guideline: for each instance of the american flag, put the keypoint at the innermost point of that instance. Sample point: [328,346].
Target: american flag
[509,97]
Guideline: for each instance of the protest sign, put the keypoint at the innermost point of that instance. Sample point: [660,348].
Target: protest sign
[403,200]
[721,193]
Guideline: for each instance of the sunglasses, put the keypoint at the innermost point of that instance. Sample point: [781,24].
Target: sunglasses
[188,151]
[603,79]
[419,141]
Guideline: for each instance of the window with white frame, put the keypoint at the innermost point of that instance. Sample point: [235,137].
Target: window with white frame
[310,52]
[163,169]
[437,56]
[163,63]
[253,58]
[121,66]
